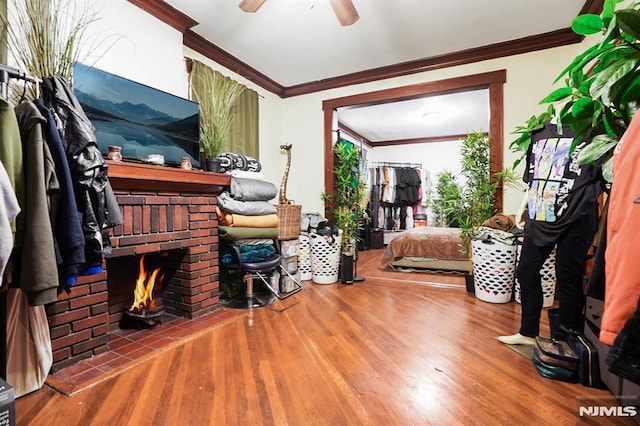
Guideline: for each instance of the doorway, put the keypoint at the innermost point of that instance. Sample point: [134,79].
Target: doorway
[493,81]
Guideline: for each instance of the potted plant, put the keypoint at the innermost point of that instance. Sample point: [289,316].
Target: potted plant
[601,88]
[347,206]
[216,95]
[479,193]
[448,200]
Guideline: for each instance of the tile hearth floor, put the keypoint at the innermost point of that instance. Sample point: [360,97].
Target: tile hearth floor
[128,346]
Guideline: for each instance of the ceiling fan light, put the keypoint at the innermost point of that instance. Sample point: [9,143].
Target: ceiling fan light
[251,6]
[345,11]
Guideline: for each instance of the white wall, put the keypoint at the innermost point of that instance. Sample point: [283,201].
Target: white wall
[146,50]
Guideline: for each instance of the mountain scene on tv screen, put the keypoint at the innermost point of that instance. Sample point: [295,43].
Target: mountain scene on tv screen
[140,129]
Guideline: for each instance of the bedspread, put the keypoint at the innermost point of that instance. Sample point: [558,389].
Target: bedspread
[430,242]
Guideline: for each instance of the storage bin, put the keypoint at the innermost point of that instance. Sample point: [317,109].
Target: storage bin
[290,264]
[304,257]
[548,279]
[325,258]
[494,265]
[289,248]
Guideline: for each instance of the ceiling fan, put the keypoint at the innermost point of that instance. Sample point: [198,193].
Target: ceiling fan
[344,9]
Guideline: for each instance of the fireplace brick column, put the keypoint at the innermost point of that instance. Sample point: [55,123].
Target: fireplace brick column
[164,209]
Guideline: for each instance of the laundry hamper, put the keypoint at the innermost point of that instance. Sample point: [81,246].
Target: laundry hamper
[325,258]
[548,279]
[494,265]
[304,257]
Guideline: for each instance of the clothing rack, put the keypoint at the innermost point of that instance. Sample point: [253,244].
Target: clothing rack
[390,164]
[7,73]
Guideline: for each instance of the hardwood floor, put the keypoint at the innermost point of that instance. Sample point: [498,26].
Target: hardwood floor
[396,349]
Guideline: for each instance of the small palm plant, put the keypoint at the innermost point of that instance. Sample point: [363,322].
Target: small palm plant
[216,95]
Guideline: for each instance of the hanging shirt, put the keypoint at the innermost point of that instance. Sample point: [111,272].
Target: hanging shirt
[9,209]
[560,189]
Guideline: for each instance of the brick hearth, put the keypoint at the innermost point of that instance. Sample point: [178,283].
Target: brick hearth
[164,209]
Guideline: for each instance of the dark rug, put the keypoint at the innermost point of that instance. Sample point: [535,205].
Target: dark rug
[524,350]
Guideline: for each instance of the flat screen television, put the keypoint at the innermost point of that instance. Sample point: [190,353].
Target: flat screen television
[140,119]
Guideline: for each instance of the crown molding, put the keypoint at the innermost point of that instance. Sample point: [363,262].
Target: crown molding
[166,13]
[176,19]
[463,57]
[213,52]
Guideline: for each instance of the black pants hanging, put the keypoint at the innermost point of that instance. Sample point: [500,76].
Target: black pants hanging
[572,246]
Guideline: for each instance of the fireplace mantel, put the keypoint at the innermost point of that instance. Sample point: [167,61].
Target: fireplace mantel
[123,175]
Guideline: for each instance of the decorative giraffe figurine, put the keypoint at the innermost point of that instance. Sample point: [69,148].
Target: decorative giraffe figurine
[285,176]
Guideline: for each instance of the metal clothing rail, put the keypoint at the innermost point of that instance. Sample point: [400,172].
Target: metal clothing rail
[7,73]
[390,164]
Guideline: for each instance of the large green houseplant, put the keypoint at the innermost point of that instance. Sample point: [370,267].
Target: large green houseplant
[601,90]
[216,95]
[479,193]
[346,207]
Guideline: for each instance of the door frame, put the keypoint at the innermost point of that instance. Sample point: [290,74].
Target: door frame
[493,81]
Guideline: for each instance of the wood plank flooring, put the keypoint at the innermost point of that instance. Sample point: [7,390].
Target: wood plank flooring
[397,349]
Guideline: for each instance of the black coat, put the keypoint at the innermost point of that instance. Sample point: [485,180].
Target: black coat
[88,170]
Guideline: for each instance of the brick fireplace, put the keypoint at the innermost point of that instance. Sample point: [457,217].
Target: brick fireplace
[165,210]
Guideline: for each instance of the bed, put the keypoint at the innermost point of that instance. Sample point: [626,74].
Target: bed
[429,247]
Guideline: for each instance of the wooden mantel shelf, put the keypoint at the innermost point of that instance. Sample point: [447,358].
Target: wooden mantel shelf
[123,175]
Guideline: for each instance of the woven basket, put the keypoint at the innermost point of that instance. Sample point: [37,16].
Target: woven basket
[288,221]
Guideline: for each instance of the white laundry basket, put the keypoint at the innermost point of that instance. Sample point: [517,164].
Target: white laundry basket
[304,257]
[494,265]
[548,280]
[325,258]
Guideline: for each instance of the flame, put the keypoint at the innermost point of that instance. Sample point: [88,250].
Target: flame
[143,293]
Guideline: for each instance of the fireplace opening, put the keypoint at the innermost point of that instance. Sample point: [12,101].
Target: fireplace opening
[143,312]
[136,290]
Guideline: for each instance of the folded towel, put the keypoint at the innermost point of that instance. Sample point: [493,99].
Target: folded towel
[233,219]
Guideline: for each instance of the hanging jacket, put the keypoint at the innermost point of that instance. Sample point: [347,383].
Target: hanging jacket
[67,229]
[622,269]
[88,171]
[37,268]
[11,155]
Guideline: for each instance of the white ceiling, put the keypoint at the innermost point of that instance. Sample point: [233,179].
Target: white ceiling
[294,42]
[445,115]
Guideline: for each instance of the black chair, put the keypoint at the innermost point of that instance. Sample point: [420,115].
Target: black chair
[256,297]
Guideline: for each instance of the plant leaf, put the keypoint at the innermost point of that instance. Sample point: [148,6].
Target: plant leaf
[629,22]
[557,95]
[632,91]
[599,146]
[583,108]
[607,169]
[587,24]
[609,76]
[582,59]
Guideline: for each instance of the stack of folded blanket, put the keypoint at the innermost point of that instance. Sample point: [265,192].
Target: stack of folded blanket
[247,218]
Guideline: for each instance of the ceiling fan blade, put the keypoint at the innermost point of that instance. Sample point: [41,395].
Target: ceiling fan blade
[345,11]
[251,5]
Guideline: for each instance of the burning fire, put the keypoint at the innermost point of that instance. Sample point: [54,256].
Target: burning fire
[143,293]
